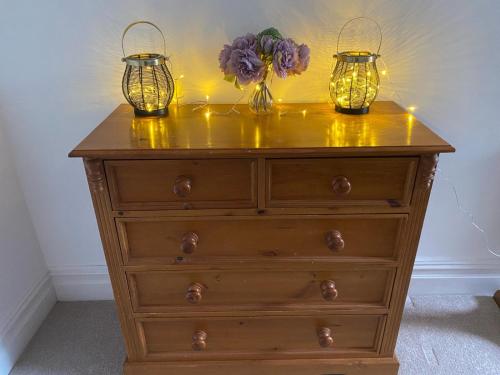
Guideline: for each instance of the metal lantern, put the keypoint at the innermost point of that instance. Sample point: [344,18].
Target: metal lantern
[354,82]
[147,83]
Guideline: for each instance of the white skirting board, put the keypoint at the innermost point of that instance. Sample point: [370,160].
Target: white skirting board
[87,283]
[22,324]
[445,277]
[92,283]
[429,277]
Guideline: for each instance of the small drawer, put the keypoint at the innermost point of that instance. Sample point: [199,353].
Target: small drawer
[340,181]
[171,240]
[160,291]
[322,336]
[182,184]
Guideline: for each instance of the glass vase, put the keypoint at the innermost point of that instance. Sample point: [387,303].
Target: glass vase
[261,100]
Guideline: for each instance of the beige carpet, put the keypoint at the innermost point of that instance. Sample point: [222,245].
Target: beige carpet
[441,335]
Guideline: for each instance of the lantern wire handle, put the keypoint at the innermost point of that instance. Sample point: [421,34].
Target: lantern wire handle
[358,18]
[148,23]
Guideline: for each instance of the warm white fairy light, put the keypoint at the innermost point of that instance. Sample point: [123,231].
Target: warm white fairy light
[201,103]
[354,87]
[412,108]
[177,97]
[302,112]
[204,103]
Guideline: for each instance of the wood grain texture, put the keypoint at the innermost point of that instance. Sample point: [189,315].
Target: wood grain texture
[270,245]
[260,337]
[182,184]
[343,210]
[340,181]
[159,240]
[346,366]
[156,291]
[184,133]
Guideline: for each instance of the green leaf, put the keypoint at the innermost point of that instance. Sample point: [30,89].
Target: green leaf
[230,78]
[272,31]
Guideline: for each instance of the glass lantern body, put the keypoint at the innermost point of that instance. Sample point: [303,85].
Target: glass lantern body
[147,84]
[354,82]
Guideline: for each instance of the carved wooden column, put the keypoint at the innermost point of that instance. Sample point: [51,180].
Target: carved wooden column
[96,177]
[425,177]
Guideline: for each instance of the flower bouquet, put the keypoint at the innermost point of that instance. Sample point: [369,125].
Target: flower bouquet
[251,57]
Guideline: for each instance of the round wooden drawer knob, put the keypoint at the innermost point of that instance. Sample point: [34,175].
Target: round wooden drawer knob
[325,338]
[199,341]
[341,185]
[194,293]
[189,242]
[329,290]
[334,240]
[182,186]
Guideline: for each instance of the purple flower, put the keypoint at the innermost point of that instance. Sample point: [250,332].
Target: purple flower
[303,52]
[266,44]
[243,43]
[248,41]
[285,57]
[248,58]
[224,57]
[246,65]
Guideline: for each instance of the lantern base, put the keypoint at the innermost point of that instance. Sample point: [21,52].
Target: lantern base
[352,111]
[156,113]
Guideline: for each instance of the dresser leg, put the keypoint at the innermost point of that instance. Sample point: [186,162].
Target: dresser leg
[354,366]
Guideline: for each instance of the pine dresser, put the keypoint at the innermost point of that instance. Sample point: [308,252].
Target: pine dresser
[270,245]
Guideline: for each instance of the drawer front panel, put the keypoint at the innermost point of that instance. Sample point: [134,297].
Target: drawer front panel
[156,291]
[182,184]
[191,240]
[260,337]
[340,181]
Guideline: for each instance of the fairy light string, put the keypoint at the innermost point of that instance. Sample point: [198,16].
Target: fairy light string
[384,72]
[461,208]
[209,112]
[468,213]
[202,104]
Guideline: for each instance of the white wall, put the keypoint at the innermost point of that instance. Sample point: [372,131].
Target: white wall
[26,293]
[62,75]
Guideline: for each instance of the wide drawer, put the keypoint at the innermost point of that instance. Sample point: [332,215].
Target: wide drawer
[206,239]
[260,337]
[182,184]
[340,181]
[193,291]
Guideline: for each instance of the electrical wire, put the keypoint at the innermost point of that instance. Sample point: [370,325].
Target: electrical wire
[468,213]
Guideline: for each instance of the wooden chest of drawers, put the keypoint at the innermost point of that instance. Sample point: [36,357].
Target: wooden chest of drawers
[277,245]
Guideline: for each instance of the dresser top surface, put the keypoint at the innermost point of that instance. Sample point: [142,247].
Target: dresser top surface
[293,128]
